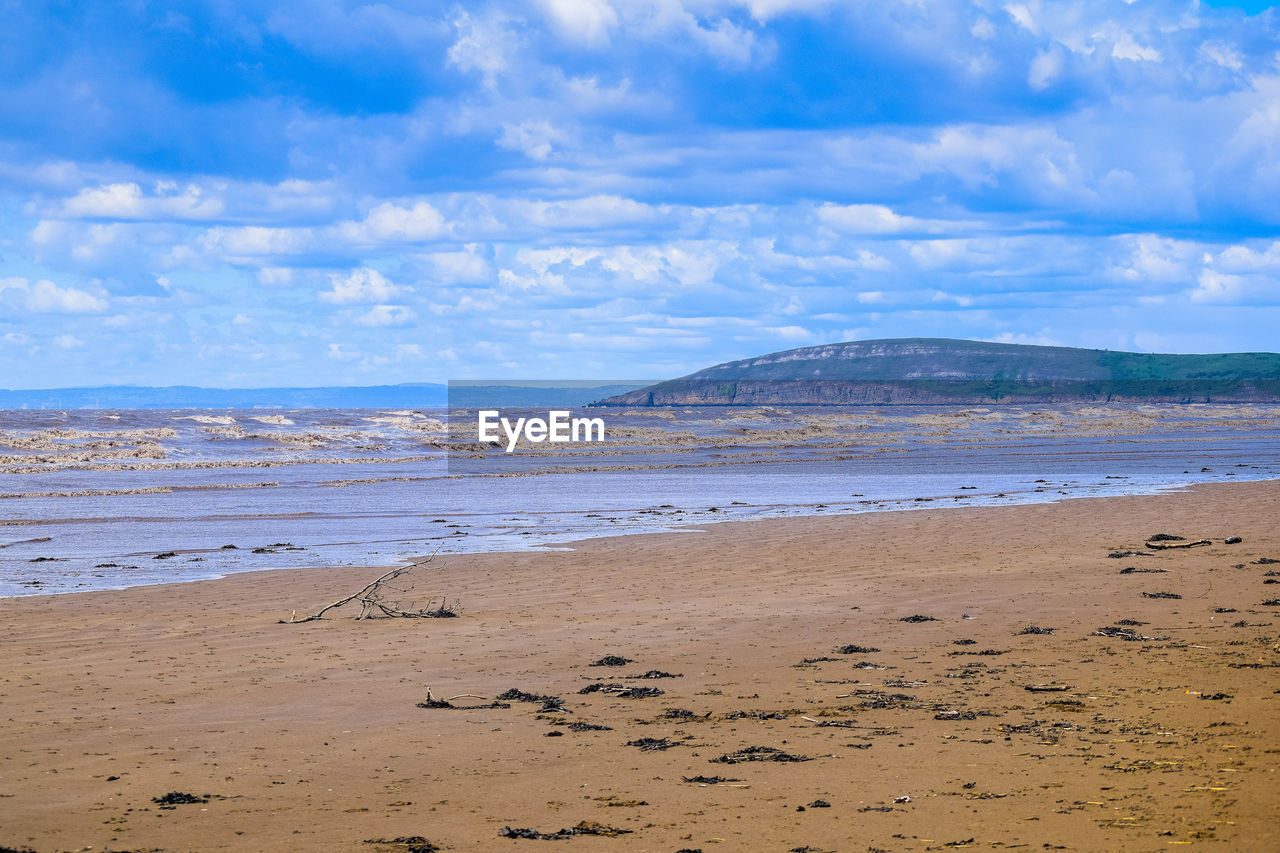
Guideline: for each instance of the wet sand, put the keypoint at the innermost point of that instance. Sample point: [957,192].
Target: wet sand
[309,736]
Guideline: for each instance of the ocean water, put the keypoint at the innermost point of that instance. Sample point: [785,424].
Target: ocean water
[96,499]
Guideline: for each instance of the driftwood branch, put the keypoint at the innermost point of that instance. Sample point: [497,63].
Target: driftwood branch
[1164,546]
[379,598]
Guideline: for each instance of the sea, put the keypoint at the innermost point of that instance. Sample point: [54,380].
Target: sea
[106,499]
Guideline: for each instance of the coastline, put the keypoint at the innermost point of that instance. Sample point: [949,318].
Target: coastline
[308,736]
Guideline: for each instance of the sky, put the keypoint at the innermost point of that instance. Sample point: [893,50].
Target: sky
[306,192]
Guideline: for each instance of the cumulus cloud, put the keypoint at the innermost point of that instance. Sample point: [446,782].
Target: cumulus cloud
[386,315]
[587,22]
[867,219]
[43,296]
[492,171]
[361,285]
[127,201]
[388,222]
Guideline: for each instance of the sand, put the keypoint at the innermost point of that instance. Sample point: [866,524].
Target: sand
[309,736]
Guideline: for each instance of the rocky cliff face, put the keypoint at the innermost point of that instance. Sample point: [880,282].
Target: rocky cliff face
[953,371]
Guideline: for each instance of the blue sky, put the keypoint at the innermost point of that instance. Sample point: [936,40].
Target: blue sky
[306,193]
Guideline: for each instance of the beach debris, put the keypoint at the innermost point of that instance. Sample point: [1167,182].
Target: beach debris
[1047,688]
[656,673]
[1133,623]
[855,650]
[755,715]
[589,727]
[1232,540]
[677,714]
[164,556]
[179,798]
[432,703]
[902,799]
[1160,595]
[819,804]
[708,780]
[1263,561]
[1166,537]
[1134,570]
[1271,602]
[652,744]
[586,827]
[406,844]
[548,703]
[612,660]
[759,753]
[1216,696]
[955,715]
[1123,634]
[1224,610]
[621,690]
[1117,555]
[917,618]
[1164,546]
[824,659]
[964,642]
[1035,629]
[376,601]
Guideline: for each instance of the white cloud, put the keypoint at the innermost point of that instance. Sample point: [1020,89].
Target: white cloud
[386,315]
[275,276]
[586,22]
[360,285]
[482,46]
[390,222]
[1157,259]
[1125,47]
[67,342]
[45,297]
[254,241]
[535,139]
[866,219]
[463,267]
[337,353]
[1214,286]
[1045,68]
[1020,13]
[1244,259]
[127,201]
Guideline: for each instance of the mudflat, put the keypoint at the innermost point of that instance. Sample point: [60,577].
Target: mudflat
[943,678]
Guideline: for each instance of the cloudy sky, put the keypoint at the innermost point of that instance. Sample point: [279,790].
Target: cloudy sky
[312,192]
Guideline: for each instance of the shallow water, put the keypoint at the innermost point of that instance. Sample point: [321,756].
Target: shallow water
[96,499]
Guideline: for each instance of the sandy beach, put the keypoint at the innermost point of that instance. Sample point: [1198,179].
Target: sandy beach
[894,681]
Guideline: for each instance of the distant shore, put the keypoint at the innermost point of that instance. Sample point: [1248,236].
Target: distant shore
[834,682]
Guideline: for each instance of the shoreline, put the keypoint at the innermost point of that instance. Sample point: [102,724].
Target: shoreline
[903,505]
[309,736]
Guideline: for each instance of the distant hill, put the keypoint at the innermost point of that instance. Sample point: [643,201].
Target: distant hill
[192,397]
[943,370]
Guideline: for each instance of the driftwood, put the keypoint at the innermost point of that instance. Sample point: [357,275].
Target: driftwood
[1164,546]
[376,601]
